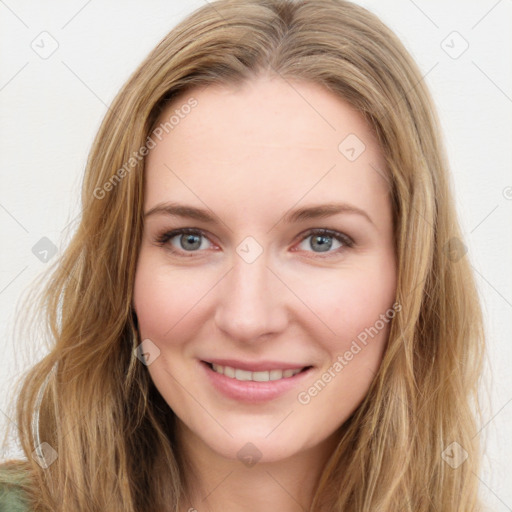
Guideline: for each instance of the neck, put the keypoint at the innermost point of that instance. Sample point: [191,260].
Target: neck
[214,483]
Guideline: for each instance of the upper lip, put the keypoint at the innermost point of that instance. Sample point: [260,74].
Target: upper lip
[256,366]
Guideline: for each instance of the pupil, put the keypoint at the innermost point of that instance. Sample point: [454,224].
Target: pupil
[190,239]
[325,242]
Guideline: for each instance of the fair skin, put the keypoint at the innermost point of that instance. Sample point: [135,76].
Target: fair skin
[250,155]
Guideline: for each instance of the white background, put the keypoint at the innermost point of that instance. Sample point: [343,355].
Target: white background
[51,109]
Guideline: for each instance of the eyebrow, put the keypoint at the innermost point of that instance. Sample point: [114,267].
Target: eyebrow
[299,215]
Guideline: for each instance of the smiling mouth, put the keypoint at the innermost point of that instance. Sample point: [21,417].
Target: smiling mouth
[260,376]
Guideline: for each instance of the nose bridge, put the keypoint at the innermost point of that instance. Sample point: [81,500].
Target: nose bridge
[250,300]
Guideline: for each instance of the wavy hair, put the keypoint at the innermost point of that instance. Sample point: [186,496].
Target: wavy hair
[92,401]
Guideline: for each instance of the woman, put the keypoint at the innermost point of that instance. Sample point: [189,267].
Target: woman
[261,367]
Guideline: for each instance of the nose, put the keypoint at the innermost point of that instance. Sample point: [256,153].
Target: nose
[252,301]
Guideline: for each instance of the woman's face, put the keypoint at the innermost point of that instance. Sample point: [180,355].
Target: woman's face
[255,287]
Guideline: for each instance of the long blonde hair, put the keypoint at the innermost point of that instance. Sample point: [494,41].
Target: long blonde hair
[95,404]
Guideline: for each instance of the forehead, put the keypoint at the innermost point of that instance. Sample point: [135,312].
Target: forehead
[267,142]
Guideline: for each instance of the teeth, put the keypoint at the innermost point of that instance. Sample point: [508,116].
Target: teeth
[244,375]
[275,374]
[218,369]
[228,371]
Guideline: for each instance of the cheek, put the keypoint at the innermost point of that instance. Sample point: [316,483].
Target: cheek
[358,307]
[354,305]
[164,299]
[351,298]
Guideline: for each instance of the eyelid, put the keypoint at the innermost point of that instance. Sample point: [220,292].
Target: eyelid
[162,239]
[330,232]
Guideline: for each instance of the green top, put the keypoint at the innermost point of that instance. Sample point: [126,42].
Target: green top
[12,497]
[11,500]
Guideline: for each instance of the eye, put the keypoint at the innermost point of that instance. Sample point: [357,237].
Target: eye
[187,240]
[190,240]
[321,241]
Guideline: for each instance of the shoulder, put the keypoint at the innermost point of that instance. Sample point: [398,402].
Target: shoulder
[12,496]
[12,500]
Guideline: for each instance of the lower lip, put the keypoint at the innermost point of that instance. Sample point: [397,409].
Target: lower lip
[250,391]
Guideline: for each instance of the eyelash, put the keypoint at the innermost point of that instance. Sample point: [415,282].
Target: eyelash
[163,239]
